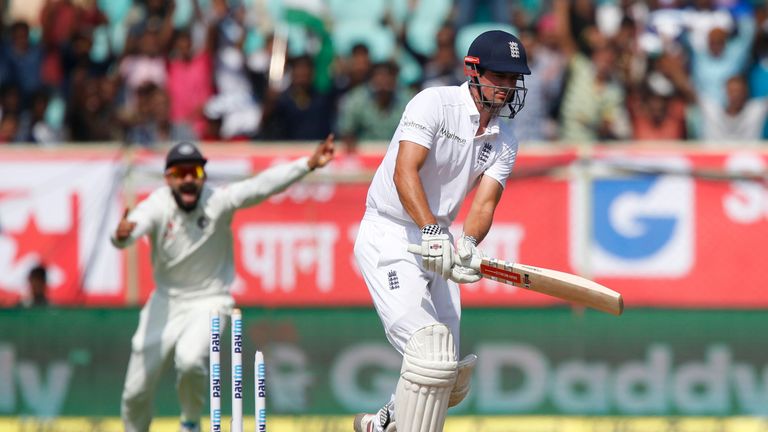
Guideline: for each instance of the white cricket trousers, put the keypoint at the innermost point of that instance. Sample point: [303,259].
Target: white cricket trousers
[170,329]
[406,297]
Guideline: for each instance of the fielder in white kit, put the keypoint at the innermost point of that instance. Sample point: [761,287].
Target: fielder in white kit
[188,226]
[449,141]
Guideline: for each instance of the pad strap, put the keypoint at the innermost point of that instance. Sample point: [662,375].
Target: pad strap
[463,380]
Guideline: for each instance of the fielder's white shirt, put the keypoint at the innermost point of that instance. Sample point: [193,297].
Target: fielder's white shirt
[444,120]
[192,252]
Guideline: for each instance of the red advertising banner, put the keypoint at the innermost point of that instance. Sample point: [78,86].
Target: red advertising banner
[663,227]
[703,237]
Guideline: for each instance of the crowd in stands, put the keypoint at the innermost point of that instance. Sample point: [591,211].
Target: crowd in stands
[145,72]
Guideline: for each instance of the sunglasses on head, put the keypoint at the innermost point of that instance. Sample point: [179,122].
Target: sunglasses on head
[181,171]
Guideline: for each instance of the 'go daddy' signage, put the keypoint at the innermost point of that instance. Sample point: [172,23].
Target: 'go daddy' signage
[336,361]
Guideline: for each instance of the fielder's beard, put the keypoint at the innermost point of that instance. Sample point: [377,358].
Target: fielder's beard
[187,189]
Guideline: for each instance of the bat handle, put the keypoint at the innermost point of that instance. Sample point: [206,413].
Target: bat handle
[474,264]
[414,249]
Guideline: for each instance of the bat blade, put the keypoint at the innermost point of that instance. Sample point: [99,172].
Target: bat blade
[565,286]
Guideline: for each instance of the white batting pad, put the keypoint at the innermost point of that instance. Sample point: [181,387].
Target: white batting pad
[426,380]
[463,380]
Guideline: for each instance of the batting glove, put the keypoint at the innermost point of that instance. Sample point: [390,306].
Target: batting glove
[467,250]
[464,275]
[436,251]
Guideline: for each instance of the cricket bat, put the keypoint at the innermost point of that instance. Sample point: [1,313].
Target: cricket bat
[565,286]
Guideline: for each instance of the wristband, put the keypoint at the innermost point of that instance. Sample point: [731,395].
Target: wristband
[431,229]
[471,240]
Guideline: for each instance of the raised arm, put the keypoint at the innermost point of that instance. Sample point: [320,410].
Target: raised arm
[673,67]
[277,178]
[561,12]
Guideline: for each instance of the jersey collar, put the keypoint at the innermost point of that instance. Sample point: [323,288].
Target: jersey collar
[466,98]
[493,126]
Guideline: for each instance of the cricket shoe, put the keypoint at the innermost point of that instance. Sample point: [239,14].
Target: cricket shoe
[189,427]
[382,421]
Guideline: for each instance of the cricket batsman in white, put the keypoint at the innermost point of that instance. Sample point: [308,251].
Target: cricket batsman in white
[449,141]
[188,226]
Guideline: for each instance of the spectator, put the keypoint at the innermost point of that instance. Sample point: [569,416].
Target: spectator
[632,61]
[24,61]
[227,36]
[90,15]
[372,112]
[656,112]
[77,63]
[701,18]
[537,122]
[10,100]
[629,37]
[234,106]
[140,127]
[150,124]
[38,287]
[61,20]
[444,67]
[657,106]
[92,113]
[468,11]
[258,66]
[300,112]
[9,128]
[442,64]
[758,75]
[147,65]
[354,70]
[58,20]
[188,70]
[739,119]
[579,21]
[162,113]
[593,106]
[33,127]
[212,130]
[149,15]
[725,55]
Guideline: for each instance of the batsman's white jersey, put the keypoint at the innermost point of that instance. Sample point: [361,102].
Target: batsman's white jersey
[192,251]
[444,120]
[193,267]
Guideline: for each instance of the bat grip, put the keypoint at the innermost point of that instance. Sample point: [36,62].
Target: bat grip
[474,264]
[414,249]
